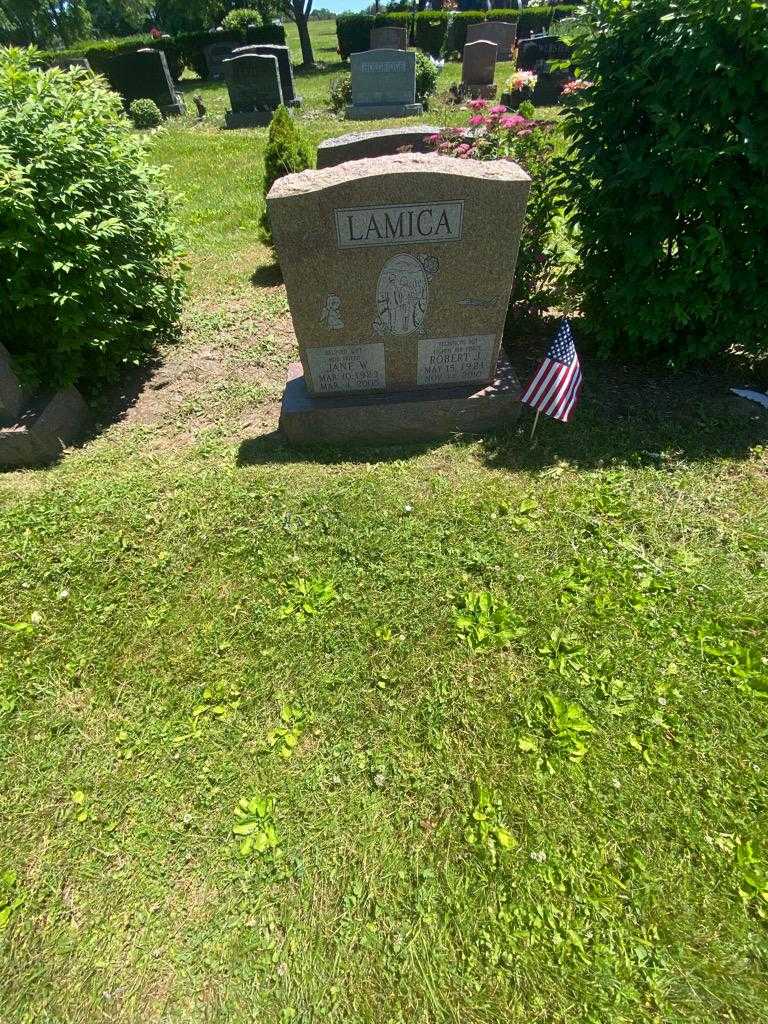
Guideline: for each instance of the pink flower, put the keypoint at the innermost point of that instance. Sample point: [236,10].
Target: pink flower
[499,109]
[433,139]
[463,149]
[477,104]
[477,119]
[512,121]
[576,86]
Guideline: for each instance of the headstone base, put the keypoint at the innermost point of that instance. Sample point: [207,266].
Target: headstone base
[398,417]
[465,91]
[248,118]
[370,113]
[44,430]
[174,109]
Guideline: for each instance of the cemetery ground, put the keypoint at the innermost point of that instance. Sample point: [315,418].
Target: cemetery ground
[469,731]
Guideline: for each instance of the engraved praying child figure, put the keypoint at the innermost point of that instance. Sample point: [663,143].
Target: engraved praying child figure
[331,314]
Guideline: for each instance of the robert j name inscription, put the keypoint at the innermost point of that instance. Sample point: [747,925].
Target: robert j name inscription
[385,225]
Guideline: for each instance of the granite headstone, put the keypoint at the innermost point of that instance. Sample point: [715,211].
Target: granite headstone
[503,33]
[389,37]
[382,142]
[253,83]
[398,271]
[285,67]
[215,55]
[383,84]
[144,74]
[478,69]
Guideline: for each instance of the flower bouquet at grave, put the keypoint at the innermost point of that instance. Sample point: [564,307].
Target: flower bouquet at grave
[518,88]
[573,94]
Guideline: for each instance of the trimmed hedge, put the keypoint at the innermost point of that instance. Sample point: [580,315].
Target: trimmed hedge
[183,50]
[441,33]
[99,52]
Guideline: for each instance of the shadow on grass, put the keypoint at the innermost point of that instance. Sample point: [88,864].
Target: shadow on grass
[267,275]
[629,415]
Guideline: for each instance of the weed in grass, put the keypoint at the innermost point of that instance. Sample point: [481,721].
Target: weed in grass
[484,831]
[307,598]
[11,898]
[485,622]
[255,827]
[285,737]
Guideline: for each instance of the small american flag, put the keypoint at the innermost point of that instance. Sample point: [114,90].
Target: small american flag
[556,384]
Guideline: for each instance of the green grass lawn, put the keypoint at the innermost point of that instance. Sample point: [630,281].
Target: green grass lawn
[495,710]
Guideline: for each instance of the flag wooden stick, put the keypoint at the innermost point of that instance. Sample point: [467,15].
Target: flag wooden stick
[533,428]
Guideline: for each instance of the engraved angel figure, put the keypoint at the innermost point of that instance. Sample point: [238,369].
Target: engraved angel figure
[331,314]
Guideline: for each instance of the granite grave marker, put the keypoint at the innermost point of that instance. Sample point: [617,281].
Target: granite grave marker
[144,74]
[381,142]
[285,67]
[253,83]
[215,55]
[503,33]
[383,84]
[389,37]
[478,69]
[398,271]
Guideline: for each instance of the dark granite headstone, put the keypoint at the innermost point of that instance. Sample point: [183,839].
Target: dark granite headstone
[503,33]
[145,75]
[384,142]
[253,83]
[478,70]
[284,65]
[537,48]
[215,55]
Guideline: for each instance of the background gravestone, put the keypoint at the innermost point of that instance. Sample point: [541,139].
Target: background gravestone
[478,69]
[398,272]
[215,55]
[145,75]
[383,84]
[284,65]
[253,83]
[389,37]
[383,142]
[503,33]
[530,52]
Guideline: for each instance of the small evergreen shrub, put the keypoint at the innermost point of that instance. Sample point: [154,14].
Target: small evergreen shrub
[341,93]
[89,259]
[145,114]
[427,74]
[667,180]
[287,152]
[240,18]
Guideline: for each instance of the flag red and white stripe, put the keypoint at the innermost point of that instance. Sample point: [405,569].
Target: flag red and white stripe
[556,385]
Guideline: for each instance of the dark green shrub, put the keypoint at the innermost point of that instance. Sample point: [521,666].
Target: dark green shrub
[89,262]
[429,32]
[240,18]
[287,152]
[100,51]
[668,183]
[145,113]
[341,92]
[427,75]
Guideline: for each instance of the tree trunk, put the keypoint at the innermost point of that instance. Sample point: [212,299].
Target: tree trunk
[307,56]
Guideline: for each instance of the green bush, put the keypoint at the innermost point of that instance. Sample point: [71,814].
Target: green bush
[341,92]
[240,18]
[89,261]
[145,113]
[430,31]
[288,151]
[668,183]
[427,75]
[100,51]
